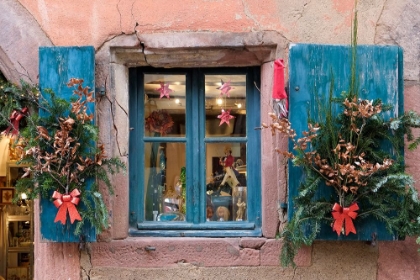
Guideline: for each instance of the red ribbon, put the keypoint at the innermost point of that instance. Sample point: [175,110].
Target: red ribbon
[344,215]
[14,120]
[66,202]
[279,92]
[278,85]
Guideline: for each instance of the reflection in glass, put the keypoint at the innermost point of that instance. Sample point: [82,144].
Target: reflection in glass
[164,181]
[226,181]
[225,94]
[164,105]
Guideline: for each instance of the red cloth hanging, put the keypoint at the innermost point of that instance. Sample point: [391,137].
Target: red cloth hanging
[279,93]
[14,121]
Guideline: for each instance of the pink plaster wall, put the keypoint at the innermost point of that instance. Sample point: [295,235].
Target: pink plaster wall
[96,22]
[81,22]
[54,260]
[401,260]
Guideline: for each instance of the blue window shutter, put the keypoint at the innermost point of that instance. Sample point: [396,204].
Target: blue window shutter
[56,66]
[312,67]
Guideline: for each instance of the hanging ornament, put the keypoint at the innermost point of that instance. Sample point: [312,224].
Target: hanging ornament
[159,121]
[164,90]
[225,117]
[225,88]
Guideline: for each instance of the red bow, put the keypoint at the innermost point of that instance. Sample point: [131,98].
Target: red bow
[344,215]
[15,118]
[66,202]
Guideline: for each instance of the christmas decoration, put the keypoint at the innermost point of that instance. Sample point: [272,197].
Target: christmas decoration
[160,122]
[225,88]
[164,90]
[343,218]
[225,117]
[344,152]
[67,203]
[14,121]
[15,98]
[62,159]
[280,103]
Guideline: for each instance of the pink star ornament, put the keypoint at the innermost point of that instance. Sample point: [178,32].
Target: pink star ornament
[225,88]
[225,117]
[164,90]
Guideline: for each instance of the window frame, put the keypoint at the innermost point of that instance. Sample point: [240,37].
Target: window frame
[196,224]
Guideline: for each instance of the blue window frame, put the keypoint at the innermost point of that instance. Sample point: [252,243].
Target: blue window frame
[180,129]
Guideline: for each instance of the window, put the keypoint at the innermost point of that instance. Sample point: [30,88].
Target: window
[194,152]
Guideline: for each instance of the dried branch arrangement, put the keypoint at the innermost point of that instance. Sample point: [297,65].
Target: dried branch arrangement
[64,160]
[344,153]
[354,151]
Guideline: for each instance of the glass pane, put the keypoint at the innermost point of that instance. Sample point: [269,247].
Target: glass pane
[225,105]
[226,182]
[164,105]
[164,181]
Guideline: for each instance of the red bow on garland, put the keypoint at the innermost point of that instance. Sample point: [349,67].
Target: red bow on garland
[67,202]
[344,215]
[14,120]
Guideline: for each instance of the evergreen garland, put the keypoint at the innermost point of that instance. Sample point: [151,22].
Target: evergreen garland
[342,150]
[13,97]
[61,155]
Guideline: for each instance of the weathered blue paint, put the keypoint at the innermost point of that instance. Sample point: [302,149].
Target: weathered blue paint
[56,66]
[312,68]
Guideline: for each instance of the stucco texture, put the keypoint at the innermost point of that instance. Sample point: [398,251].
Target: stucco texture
[207,33]
[324,21]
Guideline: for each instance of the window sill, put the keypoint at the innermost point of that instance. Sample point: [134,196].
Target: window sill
[133,232]
[209,229]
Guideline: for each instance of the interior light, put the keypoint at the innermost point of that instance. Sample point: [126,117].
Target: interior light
[219,101]
[23,196]
[239,105]
[177,101]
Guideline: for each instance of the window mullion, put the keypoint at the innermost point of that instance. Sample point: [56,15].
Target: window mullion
[192,121]
[201,146]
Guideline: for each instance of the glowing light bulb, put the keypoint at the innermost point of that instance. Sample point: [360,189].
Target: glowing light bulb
[219,101]
[239,105]
[177,101]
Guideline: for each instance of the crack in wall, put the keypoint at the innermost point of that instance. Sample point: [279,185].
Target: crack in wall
[85,262]
[132,16]
[300,12]
[113,123]
[142,51]
[119,105]
[375,33]
[249,15]
[118,9]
